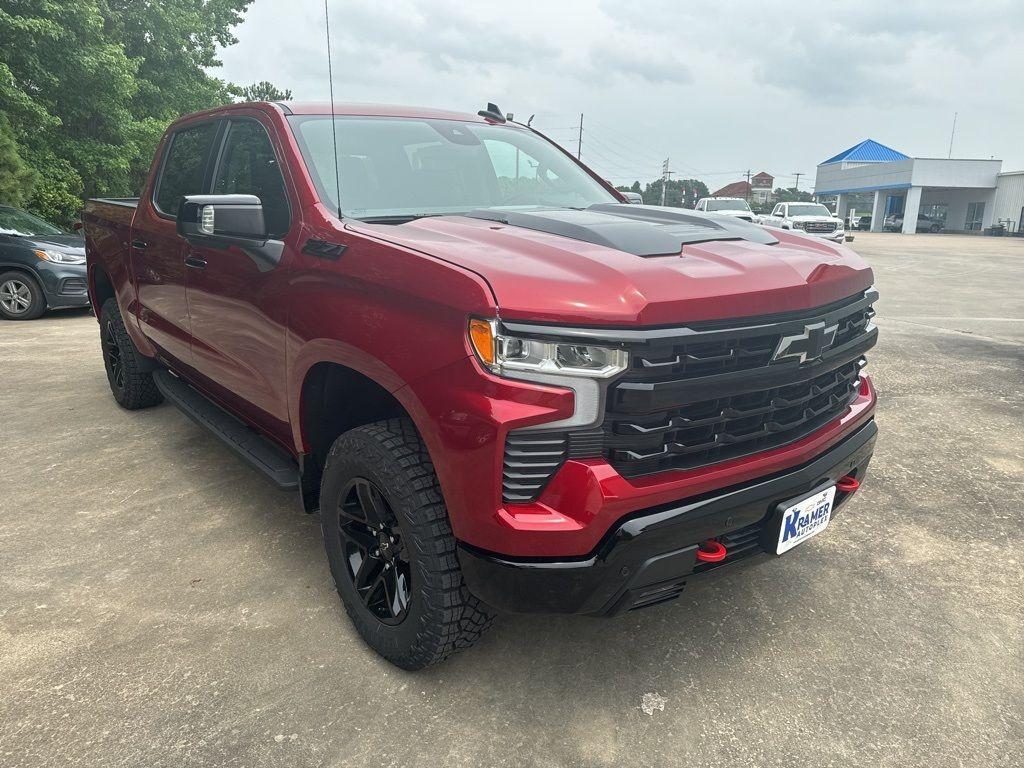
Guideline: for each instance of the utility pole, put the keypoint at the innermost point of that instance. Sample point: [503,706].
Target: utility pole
[951,135]
[579,141]
[665,174]
[748,185]
[796,186]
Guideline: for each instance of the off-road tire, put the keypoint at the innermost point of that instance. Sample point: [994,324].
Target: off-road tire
[38,299]
[133,388]
[441,615]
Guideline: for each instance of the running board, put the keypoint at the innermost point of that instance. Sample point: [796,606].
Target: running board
[261,454]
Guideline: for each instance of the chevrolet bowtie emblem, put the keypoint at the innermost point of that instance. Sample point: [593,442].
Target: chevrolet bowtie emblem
[808,345]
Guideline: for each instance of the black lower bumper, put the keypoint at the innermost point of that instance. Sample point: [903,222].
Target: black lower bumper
[648,557]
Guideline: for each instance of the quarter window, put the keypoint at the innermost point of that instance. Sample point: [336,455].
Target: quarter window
[249,166]
[184,171]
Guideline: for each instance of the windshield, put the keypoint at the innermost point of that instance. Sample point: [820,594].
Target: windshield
[809,209]
[15,222]
[405,167]
[727,205]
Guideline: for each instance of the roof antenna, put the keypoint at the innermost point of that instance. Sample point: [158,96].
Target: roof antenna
[334,126]
[491,113]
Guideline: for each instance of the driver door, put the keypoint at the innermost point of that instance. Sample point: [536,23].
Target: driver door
[236,301]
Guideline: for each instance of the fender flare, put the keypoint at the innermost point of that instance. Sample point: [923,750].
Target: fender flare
[318,351]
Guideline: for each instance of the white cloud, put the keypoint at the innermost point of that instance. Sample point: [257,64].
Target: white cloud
[719,87]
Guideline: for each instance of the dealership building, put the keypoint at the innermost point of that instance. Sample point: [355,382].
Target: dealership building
[930,194]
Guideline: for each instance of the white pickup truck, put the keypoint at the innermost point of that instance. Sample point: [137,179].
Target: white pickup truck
[727,206]
[812,218]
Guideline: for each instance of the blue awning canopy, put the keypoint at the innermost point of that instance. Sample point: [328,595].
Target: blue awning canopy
[868,151]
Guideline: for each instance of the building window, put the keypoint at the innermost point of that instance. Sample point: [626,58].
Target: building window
[975,214]
[894,205]
[935,211]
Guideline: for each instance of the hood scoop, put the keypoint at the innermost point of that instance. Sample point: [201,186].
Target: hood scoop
[642,230]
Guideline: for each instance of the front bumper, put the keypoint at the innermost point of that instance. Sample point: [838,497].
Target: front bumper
[836,237]
[64,285]
[648,557]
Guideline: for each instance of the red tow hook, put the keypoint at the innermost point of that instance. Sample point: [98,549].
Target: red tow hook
[847,484]
[711,551]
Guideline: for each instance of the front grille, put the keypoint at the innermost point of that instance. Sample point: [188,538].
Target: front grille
[713,393]
[708,393]
[819,226]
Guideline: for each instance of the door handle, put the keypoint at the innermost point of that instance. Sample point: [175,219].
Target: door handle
[140,245]
[195,262]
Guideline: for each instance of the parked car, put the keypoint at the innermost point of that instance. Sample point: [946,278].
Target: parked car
[41,266]
[812,218]
[864,223]
[894,223]
[727,206]
[635,198]
[499,392]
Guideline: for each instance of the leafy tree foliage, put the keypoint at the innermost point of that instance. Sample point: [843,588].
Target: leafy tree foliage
[265,91]
[679,193]
[87,87]
[16,177]
[792,195]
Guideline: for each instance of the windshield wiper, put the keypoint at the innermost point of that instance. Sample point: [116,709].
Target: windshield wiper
[401,218]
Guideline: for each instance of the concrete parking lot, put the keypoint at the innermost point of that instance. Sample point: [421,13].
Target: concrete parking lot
[162,605]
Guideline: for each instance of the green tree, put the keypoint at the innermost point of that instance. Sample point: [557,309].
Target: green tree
[679,193]
[792,195]
[88,86]
[265,91]
[16,178]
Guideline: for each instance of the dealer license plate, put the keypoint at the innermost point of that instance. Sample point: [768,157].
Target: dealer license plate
[805,519]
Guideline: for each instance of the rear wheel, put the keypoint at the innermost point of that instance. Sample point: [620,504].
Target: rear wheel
[21,298]
[391,549]
[132,387]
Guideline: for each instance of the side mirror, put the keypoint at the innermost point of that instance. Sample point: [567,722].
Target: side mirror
[222,220]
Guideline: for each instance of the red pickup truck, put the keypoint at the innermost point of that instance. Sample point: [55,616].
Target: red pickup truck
[499,385]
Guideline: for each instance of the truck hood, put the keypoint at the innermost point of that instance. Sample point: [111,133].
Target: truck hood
[733,212]
[660,270]
[814,218]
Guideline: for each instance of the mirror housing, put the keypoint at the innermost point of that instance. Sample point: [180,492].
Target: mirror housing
[222,220]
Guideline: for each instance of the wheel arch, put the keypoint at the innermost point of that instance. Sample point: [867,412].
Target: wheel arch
[101,288]
[335,390]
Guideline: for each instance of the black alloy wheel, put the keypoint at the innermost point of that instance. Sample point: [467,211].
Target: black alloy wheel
[375,551]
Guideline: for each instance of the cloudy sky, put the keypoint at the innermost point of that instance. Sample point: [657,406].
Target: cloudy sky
[717,87]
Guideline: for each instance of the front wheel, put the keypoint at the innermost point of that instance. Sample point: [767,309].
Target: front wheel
[21,298]
[391,548]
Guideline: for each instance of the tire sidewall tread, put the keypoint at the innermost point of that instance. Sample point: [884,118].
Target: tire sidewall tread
[140,390]
[38,308]
[443,616]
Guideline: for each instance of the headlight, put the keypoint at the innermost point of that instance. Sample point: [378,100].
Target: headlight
[58,257]
[799,224]
[514,356]
[584,368]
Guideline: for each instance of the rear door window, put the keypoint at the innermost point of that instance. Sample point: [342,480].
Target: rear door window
[184,169]
[248,166]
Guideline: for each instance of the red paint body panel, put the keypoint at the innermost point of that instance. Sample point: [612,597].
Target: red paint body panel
[395,306]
